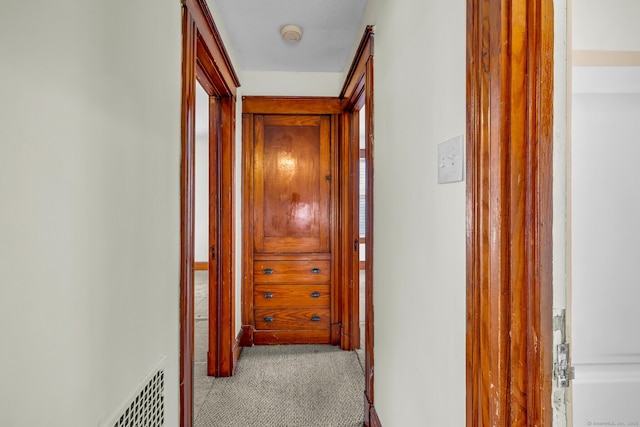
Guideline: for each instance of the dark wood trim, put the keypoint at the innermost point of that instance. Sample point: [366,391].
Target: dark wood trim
[237,349]
[374,420]
[369,315]
[290,105]
[345,257]
[354,91]
[208,75]
[336,333]
[358,85]
[317,256]
[208,31]
[357,69]
[247,221]
[215,223]
[367,411]
[187,202]
[226,235]
[204,57]
[247,336]
[337,317]
[232,81]
[509,212]
[204,265]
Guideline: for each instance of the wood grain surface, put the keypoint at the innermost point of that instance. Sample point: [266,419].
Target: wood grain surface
[509,212]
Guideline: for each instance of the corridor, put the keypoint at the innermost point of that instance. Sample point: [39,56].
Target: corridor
[292,386]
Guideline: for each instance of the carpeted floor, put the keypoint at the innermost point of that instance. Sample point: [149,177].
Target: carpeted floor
[287,386]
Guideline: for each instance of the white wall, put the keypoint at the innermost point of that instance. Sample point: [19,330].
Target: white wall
[201,233]
[605,25]
[419,247]
[89,217]
[283,83]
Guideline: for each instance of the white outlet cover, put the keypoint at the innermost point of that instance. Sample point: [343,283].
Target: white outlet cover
[451,160]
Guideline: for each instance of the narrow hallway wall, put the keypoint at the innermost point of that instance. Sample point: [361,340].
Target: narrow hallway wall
[89,217]
[419,226]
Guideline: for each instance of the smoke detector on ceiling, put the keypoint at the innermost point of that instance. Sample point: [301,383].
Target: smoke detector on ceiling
[291,33]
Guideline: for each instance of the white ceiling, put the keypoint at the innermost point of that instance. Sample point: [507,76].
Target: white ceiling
[329,31]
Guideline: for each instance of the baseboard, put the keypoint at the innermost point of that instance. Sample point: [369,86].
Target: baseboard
[374,421]
[237,349]
[371,418]
[336,332]
[201,265]
[246,339]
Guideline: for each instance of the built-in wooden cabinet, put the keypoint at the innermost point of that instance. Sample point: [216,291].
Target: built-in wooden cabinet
[289,227]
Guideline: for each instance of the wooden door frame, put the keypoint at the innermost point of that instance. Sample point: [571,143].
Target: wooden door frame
[258,105]
[357,91]
[204,57]
[509,212]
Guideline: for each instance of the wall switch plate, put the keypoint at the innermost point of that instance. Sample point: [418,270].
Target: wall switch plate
[451,160]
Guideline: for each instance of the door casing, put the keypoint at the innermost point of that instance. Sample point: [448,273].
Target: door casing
[509,212]
[205,58]
[358,91]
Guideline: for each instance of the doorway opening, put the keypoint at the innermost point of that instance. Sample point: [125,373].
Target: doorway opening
[358,95]
[362,232]
[205,274]
[201,43]
[509,212]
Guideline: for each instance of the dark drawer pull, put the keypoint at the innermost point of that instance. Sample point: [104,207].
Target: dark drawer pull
[268,295]
[269,319]
[315,294]
[315,271]
[268,271]
[315,319]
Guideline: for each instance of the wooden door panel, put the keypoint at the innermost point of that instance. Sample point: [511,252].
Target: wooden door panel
[292,173]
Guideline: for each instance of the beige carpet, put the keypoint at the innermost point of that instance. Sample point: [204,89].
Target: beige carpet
[288,386]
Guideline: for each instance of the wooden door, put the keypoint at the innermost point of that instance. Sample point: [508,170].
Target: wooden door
[289,294]
[292,178]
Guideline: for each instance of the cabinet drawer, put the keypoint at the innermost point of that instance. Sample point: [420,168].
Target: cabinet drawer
[294,272]
[291,296]
[292,318]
